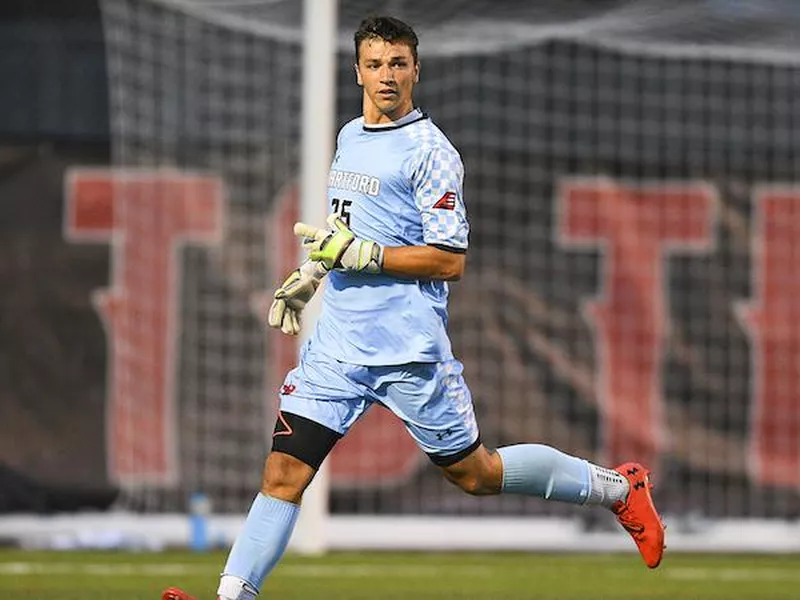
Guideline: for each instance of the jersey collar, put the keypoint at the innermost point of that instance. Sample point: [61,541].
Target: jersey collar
[412,117]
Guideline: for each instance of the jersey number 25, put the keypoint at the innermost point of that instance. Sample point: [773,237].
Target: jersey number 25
[342,208]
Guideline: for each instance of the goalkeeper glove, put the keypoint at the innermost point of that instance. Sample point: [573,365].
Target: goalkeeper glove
[293,295]
[339,248]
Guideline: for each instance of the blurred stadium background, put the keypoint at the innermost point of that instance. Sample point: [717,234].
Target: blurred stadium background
[631,291]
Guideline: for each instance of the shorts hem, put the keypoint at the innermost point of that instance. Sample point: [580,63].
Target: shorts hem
[447,460]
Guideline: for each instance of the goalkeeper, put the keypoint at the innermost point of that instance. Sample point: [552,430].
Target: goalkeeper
[397,234]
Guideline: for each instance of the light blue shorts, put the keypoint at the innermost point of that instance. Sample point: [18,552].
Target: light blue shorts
[432,399]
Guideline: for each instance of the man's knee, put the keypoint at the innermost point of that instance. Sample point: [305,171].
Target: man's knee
[472,484]
[479,474]
[299,446]
[285,477]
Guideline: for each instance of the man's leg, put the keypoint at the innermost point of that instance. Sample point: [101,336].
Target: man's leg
[542,471]
[319,402]
[267,529]
[436,405]
[263,538]
[434,402]
[299,446]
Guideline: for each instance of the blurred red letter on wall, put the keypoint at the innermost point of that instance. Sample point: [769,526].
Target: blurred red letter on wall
[773,321]
[146,216]
[634,225]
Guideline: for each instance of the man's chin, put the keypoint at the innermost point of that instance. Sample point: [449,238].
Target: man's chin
[387,106]
[393,110]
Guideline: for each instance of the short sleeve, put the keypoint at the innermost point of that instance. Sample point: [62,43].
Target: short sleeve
[438,192]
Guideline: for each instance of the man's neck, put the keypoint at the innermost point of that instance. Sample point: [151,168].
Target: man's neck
[372,116]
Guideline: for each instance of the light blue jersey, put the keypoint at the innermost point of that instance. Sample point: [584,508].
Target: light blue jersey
[381,339]
[399,185]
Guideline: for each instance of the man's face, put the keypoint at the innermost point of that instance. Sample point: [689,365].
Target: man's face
[387,73]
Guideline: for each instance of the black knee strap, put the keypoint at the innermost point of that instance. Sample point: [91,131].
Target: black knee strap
[303,438]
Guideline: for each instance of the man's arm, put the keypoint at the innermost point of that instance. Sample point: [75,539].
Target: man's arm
[339,248]
[423,262]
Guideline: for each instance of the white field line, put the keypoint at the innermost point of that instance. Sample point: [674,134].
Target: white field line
[160,570]
[22,568]
[730,574]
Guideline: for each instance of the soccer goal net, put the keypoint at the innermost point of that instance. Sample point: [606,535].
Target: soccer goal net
[632,280]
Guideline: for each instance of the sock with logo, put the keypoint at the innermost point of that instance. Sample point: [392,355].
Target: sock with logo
[608,486]
[258,547]
[543,471]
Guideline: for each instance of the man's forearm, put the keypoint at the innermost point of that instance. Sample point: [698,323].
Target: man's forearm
[423,262]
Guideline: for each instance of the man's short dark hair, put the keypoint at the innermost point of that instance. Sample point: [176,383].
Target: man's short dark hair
[388,29]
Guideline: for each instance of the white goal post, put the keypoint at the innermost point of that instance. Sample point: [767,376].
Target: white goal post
[319,109]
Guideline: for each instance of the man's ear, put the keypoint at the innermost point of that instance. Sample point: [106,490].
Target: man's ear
[358,75]
[416,73]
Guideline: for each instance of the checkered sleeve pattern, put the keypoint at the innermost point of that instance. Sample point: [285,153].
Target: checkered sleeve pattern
[438,184]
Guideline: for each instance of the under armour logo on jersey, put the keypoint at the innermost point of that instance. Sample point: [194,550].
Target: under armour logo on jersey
[447,201]
[638,485]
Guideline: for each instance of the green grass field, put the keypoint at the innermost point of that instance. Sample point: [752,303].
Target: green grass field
[409,576]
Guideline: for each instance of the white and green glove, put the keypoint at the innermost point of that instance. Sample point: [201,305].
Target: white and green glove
[338,248]
[291,298]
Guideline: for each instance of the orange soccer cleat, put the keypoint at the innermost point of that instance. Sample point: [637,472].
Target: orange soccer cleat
[173,593]
[638,514]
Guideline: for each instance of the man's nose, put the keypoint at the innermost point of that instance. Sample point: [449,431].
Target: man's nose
[386,74]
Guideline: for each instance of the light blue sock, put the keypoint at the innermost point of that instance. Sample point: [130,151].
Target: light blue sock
[538,470]
[262,541]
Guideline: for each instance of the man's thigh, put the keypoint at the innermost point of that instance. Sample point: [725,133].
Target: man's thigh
[434,402]
[320,400]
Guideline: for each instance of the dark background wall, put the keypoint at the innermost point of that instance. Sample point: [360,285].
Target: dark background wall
[586,111]
[52,65]
[53,113]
